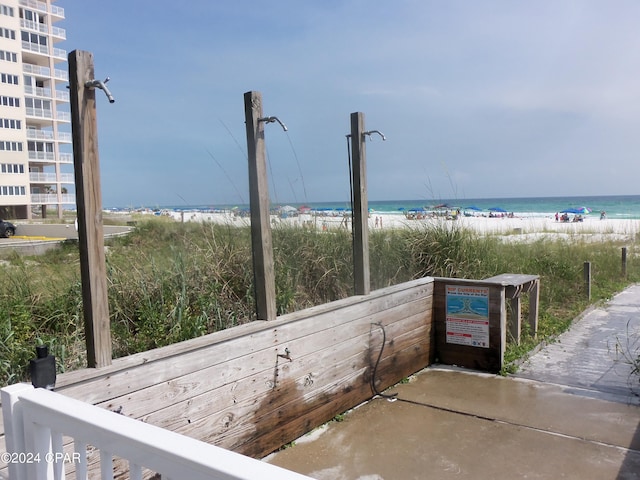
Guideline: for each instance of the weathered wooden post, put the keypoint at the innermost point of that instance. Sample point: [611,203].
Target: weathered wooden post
[360,226]
[263,269]
[587,279]
[89,207]
[624,262]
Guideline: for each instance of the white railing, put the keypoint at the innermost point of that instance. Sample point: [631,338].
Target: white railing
[50,156]
[59,32]
[58,11]
[31,25]
[36,420]
[60,53]
[37,70]
[33,134]
[44,198]
[61,74]
[65,158]
[40,6]
[62,95]
[34,47]
[42,177]
[39,112]
[37,91]
[63,116]
[64,137]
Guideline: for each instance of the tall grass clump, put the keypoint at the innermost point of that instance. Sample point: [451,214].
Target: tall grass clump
[170,281]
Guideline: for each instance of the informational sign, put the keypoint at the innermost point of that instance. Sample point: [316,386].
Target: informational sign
[468,315]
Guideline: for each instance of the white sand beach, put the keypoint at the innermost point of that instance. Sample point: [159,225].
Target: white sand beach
[520,229]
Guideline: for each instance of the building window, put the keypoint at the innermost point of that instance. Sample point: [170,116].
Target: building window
[10,101]
[4,10]
[12,190]
[7,33]
[8,56]
[10,123]
[8,78]
[10,146]
[11,168]
[34,38]
[37,103]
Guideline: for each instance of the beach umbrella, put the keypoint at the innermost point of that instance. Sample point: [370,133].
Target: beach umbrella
[584,210]
[571,210]
[497,209]
[473,207]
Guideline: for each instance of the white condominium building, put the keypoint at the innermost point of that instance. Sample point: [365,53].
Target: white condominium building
[36,159]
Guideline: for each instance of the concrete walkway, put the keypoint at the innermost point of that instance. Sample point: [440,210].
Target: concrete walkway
[574,416]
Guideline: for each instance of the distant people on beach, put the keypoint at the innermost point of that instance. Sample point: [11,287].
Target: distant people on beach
[603,215]
[557,216]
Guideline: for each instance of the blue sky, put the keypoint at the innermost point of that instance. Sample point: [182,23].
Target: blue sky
[497,98]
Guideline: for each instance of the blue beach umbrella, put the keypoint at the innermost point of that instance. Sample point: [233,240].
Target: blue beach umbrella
[473,207]
[497,209]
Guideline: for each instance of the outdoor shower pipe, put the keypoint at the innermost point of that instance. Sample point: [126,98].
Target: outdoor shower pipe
[101,85]
[271,120]
[375,131]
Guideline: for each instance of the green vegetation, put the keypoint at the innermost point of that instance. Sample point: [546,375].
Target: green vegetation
[170,282]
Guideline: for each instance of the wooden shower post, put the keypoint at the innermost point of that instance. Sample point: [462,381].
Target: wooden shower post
[360,225]
[262,246]
[89,207]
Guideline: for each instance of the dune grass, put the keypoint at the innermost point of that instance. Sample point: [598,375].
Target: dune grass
[170,282]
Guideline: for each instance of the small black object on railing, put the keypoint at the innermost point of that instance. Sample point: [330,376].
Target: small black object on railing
[43,369]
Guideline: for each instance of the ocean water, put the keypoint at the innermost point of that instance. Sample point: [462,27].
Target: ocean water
[615,206]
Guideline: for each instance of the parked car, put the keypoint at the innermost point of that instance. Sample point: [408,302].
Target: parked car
[7,229]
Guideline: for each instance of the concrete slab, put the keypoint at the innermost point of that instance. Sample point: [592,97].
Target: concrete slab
[571,412]
[454,424]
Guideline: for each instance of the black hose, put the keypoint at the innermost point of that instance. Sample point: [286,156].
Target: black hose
[375,367]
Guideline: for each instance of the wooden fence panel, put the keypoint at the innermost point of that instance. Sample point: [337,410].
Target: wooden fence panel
[236,389]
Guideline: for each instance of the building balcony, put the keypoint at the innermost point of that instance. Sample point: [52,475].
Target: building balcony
[60,53]
[47,177]
[34,26]
[37,91]
[63,116]
[36,70]
[34,5]
[66,158]
[62,95]
[57,11]
[59,33]
[61,74]
[39,113]
[42,156]
[51,198]
[35,48]
[34,134]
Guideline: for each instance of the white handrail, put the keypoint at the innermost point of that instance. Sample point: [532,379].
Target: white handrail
[46,416]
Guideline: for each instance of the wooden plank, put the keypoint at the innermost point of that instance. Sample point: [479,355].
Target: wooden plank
[534,306]
[262,245]
[252,375]
[415,288]
[122,382]
[89,205]
[360,227]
